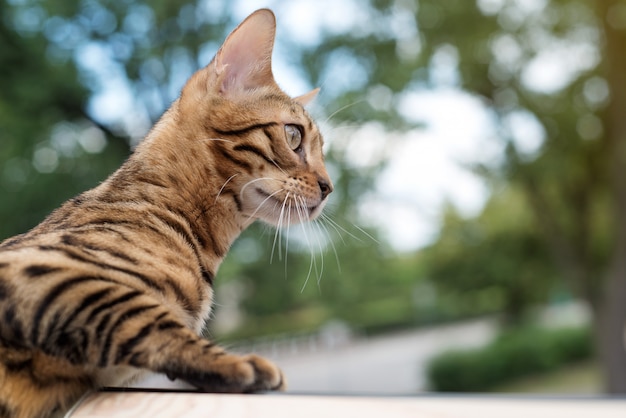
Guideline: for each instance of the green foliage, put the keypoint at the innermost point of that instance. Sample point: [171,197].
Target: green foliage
[491,263]
[42,123]
[512,355]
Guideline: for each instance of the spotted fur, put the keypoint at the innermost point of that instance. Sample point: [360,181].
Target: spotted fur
[119,279]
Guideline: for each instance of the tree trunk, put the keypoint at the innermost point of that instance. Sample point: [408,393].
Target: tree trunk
[611,315]
[610,331]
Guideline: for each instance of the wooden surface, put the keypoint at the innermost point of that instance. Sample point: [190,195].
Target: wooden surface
[193,405]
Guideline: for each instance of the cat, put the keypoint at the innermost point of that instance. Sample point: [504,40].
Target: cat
[119,279]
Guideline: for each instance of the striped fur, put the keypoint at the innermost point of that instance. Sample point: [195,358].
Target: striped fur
[119,279]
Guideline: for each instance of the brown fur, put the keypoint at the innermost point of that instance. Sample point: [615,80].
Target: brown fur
[119,279]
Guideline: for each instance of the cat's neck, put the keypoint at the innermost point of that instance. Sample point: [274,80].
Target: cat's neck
[179,174]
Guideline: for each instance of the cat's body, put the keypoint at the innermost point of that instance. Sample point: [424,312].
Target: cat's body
[119,279]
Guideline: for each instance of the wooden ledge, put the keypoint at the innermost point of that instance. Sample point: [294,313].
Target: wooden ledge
[158,404]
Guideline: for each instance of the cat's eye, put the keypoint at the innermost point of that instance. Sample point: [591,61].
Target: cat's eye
[294,136]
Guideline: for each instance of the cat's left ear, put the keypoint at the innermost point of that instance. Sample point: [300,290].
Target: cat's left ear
[244,61]
[307,98]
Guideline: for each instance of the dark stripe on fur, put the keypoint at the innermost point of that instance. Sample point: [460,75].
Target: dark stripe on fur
[71,345]
[270,136]
[86,302]
[104,322]
[151,181]
[207,276]
[76,242]
[108,222]
[121,299]
[51,296]
[12,330]
[13,241]
[181,297]
[182,228]
[5,289]
[18,366]
[125,348]
[129,314]
[254,150]
[101,228]
[5,410]
[36,270]
[238,202]
[237,161]
[169,325]
[77,257]
[243,131]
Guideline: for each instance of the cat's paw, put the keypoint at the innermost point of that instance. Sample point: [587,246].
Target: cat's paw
[238,374]
[266,375]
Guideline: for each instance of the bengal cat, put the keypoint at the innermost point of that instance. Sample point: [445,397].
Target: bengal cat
[118,280]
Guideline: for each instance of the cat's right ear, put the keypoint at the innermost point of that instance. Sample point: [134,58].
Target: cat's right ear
[307,98]
[244,61]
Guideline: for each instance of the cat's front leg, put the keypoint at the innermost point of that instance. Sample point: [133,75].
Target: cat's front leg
[170,348]
[230,373]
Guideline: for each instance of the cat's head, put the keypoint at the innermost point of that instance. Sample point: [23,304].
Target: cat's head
[268,149]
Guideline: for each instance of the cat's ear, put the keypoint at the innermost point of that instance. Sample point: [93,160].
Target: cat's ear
[307,98]
[245,59]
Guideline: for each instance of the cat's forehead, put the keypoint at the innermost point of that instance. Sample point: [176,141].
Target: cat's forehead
[286,110]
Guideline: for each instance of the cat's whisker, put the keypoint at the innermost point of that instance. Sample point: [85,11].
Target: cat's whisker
[321,226]
[278,233]
[364,232]
[338,227]
[319,245]
[287,235]
[341,109]
[263,202]
[302,217]
[325,218]
[318,238]
[301,208]
[219,139]
[224,185]
[277,166]
[251,182]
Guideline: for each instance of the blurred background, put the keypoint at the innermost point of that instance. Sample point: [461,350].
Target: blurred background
[476,240]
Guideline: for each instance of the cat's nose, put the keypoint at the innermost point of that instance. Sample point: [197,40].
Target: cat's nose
[325,187]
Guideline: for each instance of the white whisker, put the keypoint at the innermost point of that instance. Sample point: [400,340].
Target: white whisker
[252,182]
[343,108]
[312,264]
[224,185]
[278,233]
[218,139]
[321,225]
[319,245]
[330,222]
[263,202]
[302,210]
[339,227]
[365,233]
[287,234]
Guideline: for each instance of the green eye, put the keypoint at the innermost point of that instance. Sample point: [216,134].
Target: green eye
[294,136]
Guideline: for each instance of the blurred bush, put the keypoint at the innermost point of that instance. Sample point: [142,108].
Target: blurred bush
[512,355]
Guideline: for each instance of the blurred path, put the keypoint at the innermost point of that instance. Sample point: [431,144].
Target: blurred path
[390,364]
[396,363]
